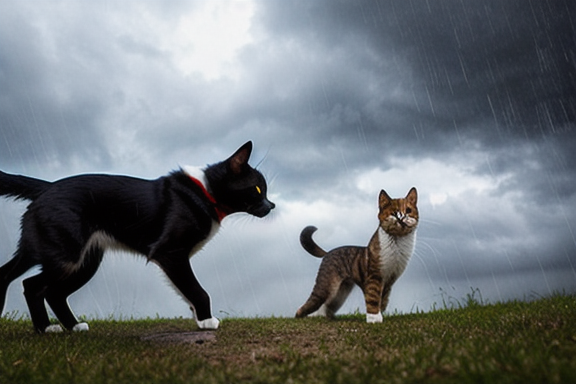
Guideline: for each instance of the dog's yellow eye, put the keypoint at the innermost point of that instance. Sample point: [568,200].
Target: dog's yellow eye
[258,190]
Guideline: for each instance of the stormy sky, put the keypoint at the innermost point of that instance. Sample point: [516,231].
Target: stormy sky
[472,102]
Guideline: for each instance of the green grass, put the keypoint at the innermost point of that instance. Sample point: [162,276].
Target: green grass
[515,342]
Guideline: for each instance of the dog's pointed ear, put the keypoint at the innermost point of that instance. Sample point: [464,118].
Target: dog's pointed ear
[240,158]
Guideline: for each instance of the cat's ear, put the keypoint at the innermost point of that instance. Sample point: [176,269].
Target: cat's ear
[384,199]
[240,158]
[412,196]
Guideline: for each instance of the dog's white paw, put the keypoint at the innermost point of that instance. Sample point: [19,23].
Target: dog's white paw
[211,323]
[374,317]
[54,328]
[81,327]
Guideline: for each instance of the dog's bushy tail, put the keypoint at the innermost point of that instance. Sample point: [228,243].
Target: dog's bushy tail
[308,243]
[22,187]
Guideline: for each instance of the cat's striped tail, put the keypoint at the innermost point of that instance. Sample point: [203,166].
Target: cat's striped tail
[308,243]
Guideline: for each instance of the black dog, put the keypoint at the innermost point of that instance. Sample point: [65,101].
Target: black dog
[71,222]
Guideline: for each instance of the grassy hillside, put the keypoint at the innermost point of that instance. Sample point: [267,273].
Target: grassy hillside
[513,342]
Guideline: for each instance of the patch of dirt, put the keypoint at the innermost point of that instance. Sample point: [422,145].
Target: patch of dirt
[181,337]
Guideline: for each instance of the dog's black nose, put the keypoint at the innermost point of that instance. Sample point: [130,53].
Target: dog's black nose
[271,204]
[263,208]
[267,205]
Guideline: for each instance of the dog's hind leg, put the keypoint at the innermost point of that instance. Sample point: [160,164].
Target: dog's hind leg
[58,291]
[35,292]
[10,271]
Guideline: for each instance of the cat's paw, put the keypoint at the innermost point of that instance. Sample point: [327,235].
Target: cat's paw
[374,317]
[54,328]
[81,327]
[211,323]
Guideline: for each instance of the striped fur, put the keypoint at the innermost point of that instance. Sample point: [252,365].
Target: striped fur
[374,268]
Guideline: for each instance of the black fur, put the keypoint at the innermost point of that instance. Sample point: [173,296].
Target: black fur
[70,222]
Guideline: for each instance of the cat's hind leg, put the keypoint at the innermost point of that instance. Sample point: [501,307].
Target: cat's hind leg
[58,292]
[335,302]
[311,305]
[323,299]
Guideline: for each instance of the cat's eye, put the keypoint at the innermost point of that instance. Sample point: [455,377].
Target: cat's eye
[408,210]
[258,190]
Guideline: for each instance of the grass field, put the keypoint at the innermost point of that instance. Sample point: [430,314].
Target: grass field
[514,342]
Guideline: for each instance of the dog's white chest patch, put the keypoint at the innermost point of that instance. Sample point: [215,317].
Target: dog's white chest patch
[197,173]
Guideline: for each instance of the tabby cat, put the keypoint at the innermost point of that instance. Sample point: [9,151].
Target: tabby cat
[374,268]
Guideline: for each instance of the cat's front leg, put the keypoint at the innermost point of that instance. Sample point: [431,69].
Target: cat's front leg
[374,317]
[373,296]
[385,296]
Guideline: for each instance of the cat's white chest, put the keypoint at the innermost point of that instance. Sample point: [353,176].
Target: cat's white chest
[395,252]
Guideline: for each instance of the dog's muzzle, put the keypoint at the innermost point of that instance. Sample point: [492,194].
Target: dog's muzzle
[262,209]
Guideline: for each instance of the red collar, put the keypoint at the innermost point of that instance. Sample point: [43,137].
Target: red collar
[220,212]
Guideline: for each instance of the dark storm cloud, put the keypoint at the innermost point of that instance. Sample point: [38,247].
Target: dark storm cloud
[68,70]
[473,102]
[430,77]
[366,76]
[49,109]
[511,62]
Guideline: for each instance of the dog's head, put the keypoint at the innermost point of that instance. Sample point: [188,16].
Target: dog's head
[237,186]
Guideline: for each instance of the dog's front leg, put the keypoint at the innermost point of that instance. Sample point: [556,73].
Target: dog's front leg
[179,271]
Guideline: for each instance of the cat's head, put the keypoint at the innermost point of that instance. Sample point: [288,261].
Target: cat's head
[237,186]
[398,217]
